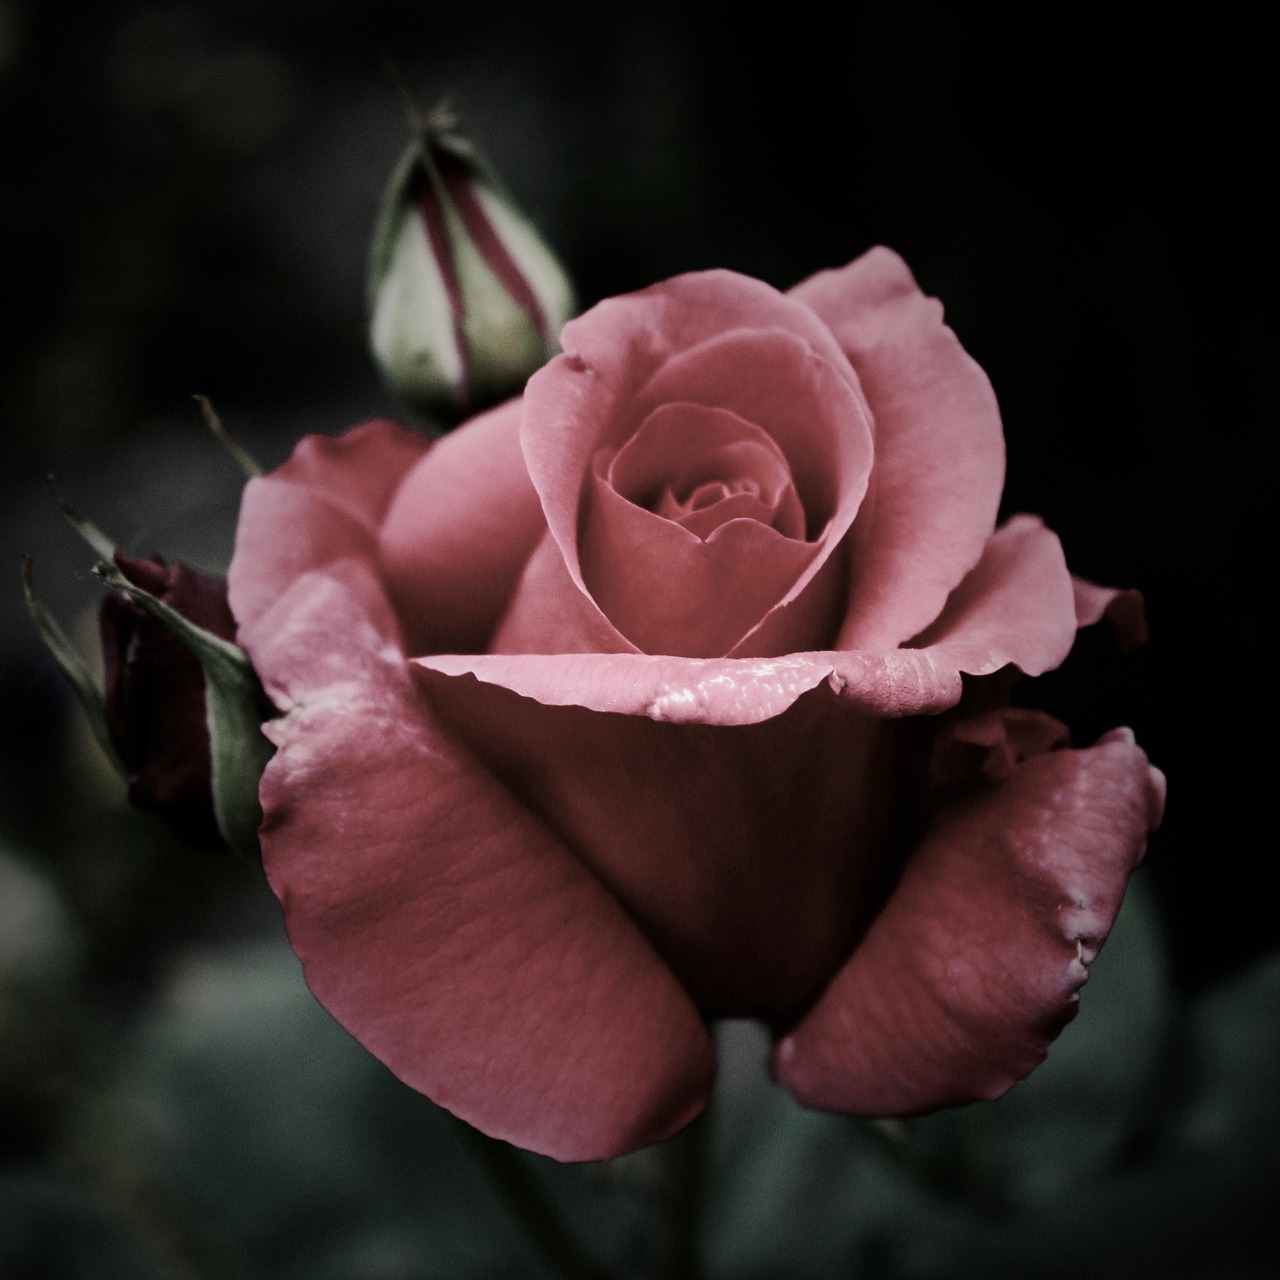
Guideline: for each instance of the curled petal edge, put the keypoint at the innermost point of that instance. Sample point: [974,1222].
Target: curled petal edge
[1022,576]
[976,962]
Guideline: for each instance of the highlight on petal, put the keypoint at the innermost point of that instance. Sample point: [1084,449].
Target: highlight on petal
[438,919]
[976,961]
[711,691]
[939,447]
[1016,607]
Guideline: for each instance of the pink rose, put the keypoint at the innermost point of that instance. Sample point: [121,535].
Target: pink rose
[617,711]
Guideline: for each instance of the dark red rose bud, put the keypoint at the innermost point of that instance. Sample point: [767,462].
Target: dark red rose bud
[155,694]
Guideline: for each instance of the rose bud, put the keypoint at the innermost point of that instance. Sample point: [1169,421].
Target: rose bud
[181,717]
[466,299]
[154,694]
[678,690]
[183,707]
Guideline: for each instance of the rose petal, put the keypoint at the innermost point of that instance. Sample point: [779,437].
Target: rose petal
[440,921]
[714,691]
[750,856]
[589,397]
[324,503]
[458,534]
[812,410]
[804,616]
[690,463]
[1125,608]
[669,591]
[991,745]
[549,613]
[666,586]
[1015,607]
[975,963]
[358,471]
[939,447]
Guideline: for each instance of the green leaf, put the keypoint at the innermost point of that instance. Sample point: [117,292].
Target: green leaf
[287,1151]
[244,459]
[72,665]
[99,541]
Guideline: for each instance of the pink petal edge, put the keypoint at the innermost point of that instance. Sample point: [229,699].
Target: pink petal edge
[939,447]
[438,919]
[327,501]
[975,963]
[1015,607]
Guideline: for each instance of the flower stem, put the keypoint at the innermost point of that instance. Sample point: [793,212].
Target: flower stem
[522,1194]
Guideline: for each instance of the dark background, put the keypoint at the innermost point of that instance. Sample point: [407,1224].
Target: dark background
[187,191]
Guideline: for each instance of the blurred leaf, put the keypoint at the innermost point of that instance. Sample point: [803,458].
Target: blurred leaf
[286,1149]
[51,1230]
[794,1192]
[1232,1100]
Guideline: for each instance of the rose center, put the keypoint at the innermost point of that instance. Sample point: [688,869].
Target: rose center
[692,531]
[701,467]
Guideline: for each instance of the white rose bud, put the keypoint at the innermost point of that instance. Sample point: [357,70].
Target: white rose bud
[466,299]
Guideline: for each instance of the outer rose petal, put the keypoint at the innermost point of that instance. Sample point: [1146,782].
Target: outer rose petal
[326,502]
[1014,607]
[976,961]
[939,447]
[750,856]
[1017,602]
[437,918]
[1125,609]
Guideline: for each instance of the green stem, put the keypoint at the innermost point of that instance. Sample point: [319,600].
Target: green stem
[524,1197]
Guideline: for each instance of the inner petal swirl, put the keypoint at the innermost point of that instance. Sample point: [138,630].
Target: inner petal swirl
[702,467]
[692,531]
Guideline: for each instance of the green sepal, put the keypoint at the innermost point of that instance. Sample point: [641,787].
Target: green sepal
[439,129]
[387,225]
[243,458]
[235,706]
[89,531]
[72,665]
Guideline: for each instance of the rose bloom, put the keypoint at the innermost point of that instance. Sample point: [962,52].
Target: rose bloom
[638,702]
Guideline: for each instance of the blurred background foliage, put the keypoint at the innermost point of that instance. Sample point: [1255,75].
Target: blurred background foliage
[188,192]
